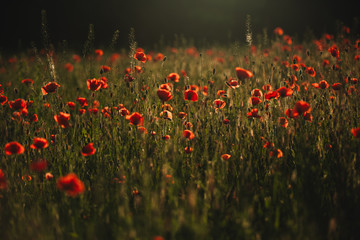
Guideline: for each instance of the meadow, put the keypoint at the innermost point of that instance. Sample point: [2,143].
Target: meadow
[245,141]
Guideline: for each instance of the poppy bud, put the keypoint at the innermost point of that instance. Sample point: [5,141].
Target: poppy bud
[15,90]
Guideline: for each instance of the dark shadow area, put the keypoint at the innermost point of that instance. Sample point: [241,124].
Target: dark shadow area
[209,20]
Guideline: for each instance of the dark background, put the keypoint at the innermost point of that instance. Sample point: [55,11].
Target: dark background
[216,21]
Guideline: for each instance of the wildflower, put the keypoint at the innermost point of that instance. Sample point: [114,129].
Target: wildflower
[69,67]
[39,143]
[302,107]
[356,132]
[88,150]
[164,95]
[279,31]
[18,104]
[334,51]
[322,84]
[284,92]
[99,52]
[188,149]
[135,119]
[63,119]
[188,134]
[254,101]
[272,94]
[220,93]
[83,101]
[3,99]
[71,184]
[71,105]
[283,122]
[191,95]
[173,77]
[243,73]
[311,71]
[50,87]
[166,115]
[218,104]
[14,148]
[253,113]
[140,56]
[291,113]
[166,137]
[182,115]
[225,156]
[93,84]
[34,118]
[27,81]
[104,69]
[49,176]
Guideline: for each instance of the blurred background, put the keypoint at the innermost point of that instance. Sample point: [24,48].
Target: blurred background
[210,21]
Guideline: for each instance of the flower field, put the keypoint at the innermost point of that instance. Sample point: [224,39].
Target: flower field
[260,141]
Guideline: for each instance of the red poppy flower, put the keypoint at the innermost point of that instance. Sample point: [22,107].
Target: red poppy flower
[38,166]
[219,104]
[71,184]
[266,87]
[205,90]
[356,132]
[233,83]
[310,71]
[283,122]
[182,115]
[243,73]
[88,150]
[351,90]
[104,69]
[71,105]
[302,107]
[253,113]
[3,99]
[27,81]
[123,111]
[34,118]
[165,86]
[14,148]
[284,92]
[334,51]
[272,94]
[166,114]
[173,77]
[220,93]
[76,58]
[254,101]
[188,134]
[69,67]
[18,104]
[99,52]
[353,80]
[308,117]
[50,87]
[93,84]
[291,113]
[39,143]
[166,137]
[322,84]
[226,156]
[164,95]
[63,119]
[278,31]
[49,176]
[83,101]
[142,130]
[191,95]
[278,153]
[140,56]
[194,88]
[188,149]
[3,180]
[136,119]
